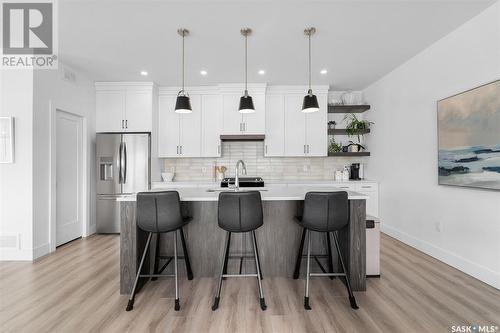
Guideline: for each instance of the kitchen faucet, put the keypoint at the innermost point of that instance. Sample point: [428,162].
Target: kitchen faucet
[237,173]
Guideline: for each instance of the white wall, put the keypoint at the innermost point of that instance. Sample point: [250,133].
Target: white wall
[16,181]
[51,92]
[404,151]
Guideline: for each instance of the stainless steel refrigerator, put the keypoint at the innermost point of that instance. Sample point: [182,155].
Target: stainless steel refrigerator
[123,168]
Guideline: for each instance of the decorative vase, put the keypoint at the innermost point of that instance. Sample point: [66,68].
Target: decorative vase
[348,98]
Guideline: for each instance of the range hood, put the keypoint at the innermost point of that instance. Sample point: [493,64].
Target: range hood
[242,137]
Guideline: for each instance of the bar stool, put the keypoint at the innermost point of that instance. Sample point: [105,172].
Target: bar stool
[325,212]
[160,212]
[240,212]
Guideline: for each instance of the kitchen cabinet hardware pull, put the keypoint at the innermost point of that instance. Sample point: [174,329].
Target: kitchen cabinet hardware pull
[177,150]
[181,150]
[266,149]
[126,123]
[122,124]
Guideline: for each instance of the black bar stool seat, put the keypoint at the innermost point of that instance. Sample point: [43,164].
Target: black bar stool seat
[240,212]
[324,212]
[159,213]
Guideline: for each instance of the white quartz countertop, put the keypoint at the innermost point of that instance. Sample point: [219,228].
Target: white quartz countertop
[268,193]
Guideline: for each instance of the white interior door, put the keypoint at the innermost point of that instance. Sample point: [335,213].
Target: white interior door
[69,151]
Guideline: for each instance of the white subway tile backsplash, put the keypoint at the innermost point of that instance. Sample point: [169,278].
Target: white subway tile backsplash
[252,153]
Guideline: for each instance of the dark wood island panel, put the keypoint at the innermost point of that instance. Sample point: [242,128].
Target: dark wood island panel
[278,240]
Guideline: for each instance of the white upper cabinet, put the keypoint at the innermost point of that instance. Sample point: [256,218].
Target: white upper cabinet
[238,123]
[295,126]
[303,134]
[195,134]
[317,129]
[211,125]
[275,125]
[138,107]
[168,127]
[110,106]
[190,133]
[124,107]
[232,119]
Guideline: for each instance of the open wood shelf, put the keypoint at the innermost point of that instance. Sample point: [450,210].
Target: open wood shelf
[348,108]
[340,154]
[343,131]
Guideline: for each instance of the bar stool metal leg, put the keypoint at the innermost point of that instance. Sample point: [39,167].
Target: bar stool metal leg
[186,256]
[176,271]
[131,298]
[219,285]
[226,256]
[352,300]
[306,298]
[157,257]
[259,277]
[330,256]
[296,272]
[258,257]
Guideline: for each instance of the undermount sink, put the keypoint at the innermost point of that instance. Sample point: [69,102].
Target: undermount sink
[232,189]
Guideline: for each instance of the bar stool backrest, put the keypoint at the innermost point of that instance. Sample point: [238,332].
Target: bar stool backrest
[240,211]
[326,211]
[159,211]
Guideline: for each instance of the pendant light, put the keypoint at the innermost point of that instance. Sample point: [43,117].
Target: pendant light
[246,102]
[183,104]
[310,103]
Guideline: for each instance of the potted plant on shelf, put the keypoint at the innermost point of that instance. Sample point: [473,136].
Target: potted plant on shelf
[334,147]
[331,124]
[356,126]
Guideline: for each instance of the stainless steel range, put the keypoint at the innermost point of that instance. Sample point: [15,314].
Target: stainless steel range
[244,182]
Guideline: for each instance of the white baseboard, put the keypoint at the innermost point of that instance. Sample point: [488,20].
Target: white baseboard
[41,251]
[479,272]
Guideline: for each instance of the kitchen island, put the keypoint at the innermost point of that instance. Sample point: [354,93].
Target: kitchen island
[278,239]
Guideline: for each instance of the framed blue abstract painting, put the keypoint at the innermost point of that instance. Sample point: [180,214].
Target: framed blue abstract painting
[469,138]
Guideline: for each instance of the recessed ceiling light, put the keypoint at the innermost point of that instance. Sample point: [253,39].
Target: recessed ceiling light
[323,71]
[262,72]
[203,72]
[144,73]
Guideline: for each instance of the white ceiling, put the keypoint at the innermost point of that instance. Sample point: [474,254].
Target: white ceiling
[357,42]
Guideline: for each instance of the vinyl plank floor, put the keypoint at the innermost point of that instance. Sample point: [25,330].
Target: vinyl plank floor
[76,289]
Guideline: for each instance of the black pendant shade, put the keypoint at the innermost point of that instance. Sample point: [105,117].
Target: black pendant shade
[246,104]
[310,103]
[183,104]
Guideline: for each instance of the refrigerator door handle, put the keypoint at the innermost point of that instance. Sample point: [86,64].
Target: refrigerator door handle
[124,163]
[120,175]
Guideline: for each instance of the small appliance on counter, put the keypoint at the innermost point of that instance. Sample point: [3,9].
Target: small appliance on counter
[244,182]
[356,171]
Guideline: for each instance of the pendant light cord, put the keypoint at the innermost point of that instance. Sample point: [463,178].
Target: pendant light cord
[310,90]
[183,62]
[246,66]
